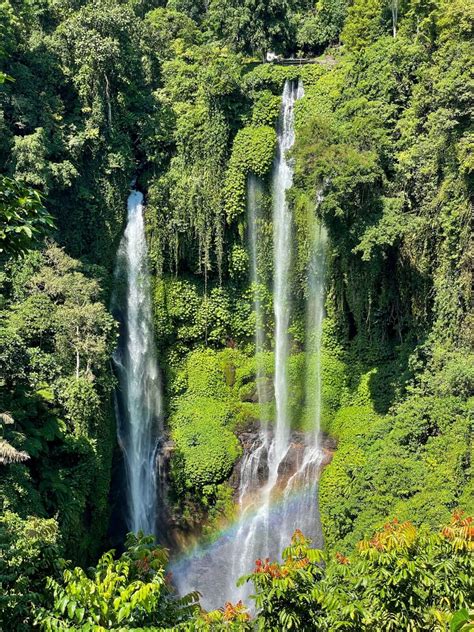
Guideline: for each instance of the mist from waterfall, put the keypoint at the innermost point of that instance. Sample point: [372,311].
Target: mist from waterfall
[279,470]
[139,395]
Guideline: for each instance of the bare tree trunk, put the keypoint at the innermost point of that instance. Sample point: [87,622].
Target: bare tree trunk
[107,96]
[78,359]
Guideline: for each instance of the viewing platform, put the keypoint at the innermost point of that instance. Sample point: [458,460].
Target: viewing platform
[326,60]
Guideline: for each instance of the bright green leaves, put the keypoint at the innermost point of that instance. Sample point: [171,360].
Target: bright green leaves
[30,550]
[171,31]
[206,447]
[400,579]
[389,230]
[266,108]
[322,26]
[410,463]
[254,149]
[364,24]
[253,152]
[125,593]
[24,222]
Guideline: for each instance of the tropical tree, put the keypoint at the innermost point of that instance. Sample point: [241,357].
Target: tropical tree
[30,550]
[125,593]
[401,579]
[252,26]
[24,221]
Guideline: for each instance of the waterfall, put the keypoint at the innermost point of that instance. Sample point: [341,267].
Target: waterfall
[282,181]
[314,326]
[278,479]
[303,484]
[138,397]
[257,537]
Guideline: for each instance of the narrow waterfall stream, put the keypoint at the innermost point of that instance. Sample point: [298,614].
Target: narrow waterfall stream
[138,397]
[255,459]
[278,475]
[256,536]
[282,238]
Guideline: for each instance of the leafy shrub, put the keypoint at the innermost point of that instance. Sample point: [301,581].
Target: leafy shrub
[253,151]
[125,593]
[30,551]
[206,448]
[400,578]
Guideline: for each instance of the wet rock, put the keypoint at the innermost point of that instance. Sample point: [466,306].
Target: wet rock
[250,439]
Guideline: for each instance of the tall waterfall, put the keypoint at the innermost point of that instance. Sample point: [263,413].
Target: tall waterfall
[139,397]
[283,178]
[273,500]
[256,536]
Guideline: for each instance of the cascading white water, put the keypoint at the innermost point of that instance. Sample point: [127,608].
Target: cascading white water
[303,484]
[254,535]
[314,326]
[138,398]
[279,472]
[282,237]
[257,537]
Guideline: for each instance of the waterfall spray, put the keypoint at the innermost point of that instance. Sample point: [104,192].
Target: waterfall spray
[138,397]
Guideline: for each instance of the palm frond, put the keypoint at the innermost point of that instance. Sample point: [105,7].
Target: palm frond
[9,454]
[6,418]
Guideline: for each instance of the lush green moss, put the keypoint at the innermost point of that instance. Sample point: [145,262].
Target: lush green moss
[187,315]
[266,109]
[412,463]
[253,151]
[206,447]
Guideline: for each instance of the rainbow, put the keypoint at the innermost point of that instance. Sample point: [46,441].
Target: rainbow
[211,546]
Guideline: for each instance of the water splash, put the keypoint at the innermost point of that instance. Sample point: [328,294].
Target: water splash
[138,396]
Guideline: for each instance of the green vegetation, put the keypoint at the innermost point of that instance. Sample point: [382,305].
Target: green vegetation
[380,136]
[126,593]
[95,93]
[56,339]
[23,217]
[401,578]
[30,552]
[206,448]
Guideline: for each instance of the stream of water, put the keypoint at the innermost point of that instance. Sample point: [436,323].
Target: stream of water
[139,394]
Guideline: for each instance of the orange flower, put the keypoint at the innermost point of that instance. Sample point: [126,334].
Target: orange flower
[342,559]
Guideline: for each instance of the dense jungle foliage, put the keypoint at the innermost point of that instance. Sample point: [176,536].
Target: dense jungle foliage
[95,93]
